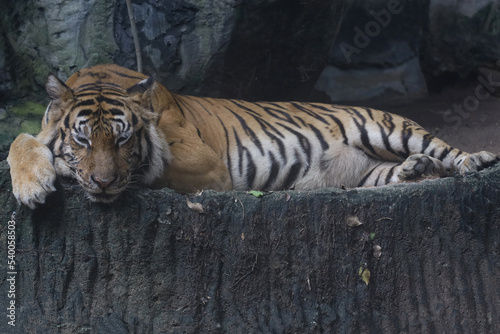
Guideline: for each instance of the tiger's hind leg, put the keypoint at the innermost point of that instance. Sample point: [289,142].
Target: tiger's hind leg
[414,168]
[419,166]
[423,166]
[471,162]
[410,153]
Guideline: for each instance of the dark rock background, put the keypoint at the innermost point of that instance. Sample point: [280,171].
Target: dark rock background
[254,49]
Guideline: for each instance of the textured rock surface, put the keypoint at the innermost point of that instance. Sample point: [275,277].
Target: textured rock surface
[186,43]
[277,49]
[180,38]
[285,262]
[404,81]
[462,35]
[443,40]
[254,49]
[57,36]
[376,53]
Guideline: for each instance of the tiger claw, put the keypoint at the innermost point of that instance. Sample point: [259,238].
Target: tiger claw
[478,161]
[33,175]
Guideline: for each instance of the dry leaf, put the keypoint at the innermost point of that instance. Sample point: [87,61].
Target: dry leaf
[377,251]
[353,221]
[364,273]
[195,206]
[242,236]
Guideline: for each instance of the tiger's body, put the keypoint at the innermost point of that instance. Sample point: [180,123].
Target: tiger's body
[110,127]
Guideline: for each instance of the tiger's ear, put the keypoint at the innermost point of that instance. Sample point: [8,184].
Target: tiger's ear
[151,95]
[58,90]
[142,87]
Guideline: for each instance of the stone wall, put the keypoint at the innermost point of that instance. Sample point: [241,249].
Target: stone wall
[256,49]
[187,43]
[398,49]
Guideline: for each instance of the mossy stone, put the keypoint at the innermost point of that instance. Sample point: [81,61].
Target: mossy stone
[29,109]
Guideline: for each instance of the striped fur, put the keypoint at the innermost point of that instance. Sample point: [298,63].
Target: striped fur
[109,127]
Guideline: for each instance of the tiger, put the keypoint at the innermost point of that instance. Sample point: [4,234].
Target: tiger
[112,129]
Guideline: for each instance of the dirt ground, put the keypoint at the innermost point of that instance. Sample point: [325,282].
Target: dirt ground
[471,124]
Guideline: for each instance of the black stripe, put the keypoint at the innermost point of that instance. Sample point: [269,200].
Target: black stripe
[389,174]
[265,125]
[89,102]
[108,100]
[80,123]
[66,121]
[303,141]
[321,139]
[249,111]
[85,112]
[278,114]
[303,123]
[365,139]
[363,180]
[426,141]
[275,168]
[93,92]
[197,101]
[306,109]
[119,121]
[150,148]
[135,120]
[293,173]
[248,131]
[340,125]
[199,134]
[406,134]
[385,138]
[100,87]
[138,134]
[228,156]
[369,112]
[185,107]
[116,112]
[239,146]
[251,169]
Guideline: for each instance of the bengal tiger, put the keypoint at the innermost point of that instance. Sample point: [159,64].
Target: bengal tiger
[110,128]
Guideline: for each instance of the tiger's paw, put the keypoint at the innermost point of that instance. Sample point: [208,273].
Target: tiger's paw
[477,161]
[417,166]
[33,175]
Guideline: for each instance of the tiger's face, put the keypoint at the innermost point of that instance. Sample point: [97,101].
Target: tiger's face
[106,136]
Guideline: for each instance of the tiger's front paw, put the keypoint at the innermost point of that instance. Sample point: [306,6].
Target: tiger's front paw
[477,161]
[33,175]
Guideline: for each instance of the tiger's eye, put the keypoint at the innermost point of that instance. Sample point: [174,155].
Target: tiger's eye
[122,138]
[82,140]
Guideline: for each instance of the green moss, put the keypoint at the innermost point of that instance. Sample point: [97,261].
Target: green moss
[29,109]
[31,127]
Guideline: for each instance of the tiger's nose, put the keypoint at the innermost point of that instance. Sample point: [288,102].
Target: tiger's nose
[103,182]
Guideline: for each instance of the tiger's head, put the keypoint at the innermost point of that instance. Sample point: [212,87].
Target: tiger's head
[105,135]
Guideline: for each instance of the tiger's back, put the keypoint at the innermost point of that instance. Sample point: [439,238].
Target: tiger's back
[276,146]
[141,132]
